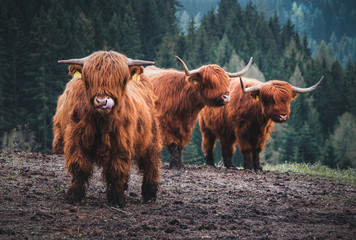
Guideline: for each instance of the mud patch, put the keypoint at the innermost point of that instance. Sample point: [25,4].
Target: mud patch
[194,203]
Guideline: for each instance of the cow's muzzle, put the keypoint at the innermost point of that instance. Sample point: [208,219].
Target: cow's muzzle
[280,118]
[104,102]
[223,99]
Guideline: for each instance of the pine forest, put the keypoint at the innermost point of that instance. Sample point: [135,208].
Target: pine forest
[35,34]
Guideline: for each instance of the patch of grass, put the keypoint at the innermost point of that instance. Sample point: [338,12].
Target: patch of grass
[316,169]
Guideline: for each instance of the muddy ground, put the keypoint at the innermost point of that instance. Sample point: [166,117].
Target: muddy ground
[198,202]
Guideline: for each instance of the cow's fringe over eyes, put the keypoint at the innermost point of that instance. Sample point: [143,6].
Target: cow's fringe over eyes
[108,137]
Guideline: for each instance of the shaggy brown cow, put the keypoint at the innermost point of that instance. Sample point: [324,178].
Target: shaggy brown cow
[105,118]
[247,120]
[181,95]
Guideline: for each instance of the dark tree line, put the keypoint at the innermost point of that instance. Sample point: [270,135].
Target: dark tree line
[35,34]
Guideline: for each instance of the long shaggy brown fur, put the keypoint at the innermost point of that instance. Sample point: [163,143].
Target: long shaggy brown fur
[246,121]
[109,138]
[179,99]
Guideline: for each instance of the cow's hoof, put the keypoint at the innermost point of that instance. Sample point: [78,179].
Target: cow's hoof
[176,165]
[259,169]
[230,166]
[210,163]
[74,195]
[116,199]
[149,191]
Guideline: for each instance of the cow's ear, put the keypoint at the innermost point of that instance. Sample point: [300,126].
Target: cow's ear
[74,70]
[255,95]
[135,72]
[194,78]
[294,95]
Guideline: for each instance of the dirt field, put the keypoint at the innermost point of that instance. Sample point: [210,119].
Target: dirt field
[198,202]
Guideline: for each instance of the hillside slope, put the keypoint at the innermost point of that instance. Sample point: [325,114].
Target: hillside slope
[194,203]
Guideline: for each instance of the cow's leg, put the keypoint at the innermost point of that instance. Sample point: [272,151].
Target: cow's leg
[208,145]
[116,174]
[57,144]
[247,159]
[227,151]
[256,160]
[150,165]
[175,151]
[80,177]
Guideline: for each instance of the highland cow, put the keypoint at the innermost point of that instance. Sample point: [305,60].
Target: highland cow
[247,120]
[106,117]
[181,95]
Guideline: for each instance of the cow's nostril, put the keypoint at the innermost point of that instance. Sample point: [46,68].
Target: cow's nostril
[100,102]
[283,117]
[226,95]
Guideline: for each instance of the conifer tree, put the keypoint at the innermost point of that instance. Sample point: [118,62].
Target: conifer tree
[147,14]
[350,83]
[3,79]
[307,146]
[289,146]
[165,55]
[343,141]
[191,55]
[82,37]
[129,35]
[223,51]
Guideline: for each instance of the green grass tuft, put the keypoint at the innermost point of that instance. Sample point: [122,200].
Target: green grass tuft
[316,169]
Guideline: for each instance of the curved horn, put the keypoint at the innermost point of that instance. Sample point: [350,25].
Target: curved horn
[186,70]
[77,61]
[309,89]
[132,62]
[242,72]
[249,89]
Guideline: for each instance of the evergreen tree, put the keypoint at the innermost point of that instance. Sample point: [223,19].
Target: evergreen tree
[152,24]
[16,55]
[191,54]
[45,40]
[287,33]
[325,53]
[307,146]
[349,87]
[223,52]
[328,157]
[165,55]
[289,146]
[114,34]
[343,142]
[180,46]
[83,37]
[3,79]
[129,35]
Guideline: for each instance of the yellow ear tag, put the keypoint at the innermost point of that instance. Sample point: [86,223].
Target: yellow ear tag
[136,77]
[257,98]
[195,82]
[77,74]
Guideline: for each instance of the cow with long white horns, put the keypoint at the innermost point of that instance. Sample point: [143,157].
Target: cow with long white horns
[180,96]
[247,120]
[106,117]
